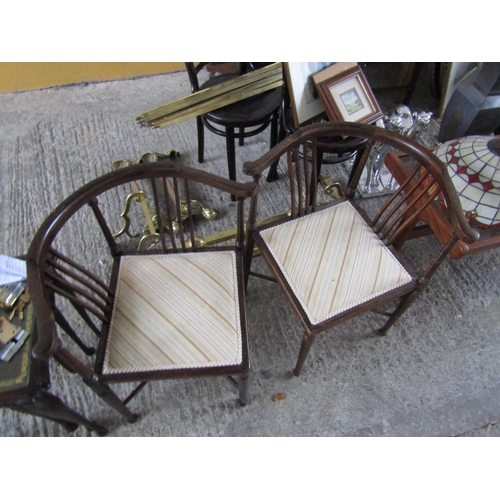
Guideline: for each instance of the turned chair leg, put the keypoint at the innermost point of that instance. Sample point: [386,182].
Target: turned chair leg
[307,342]
[201,139]
[276,136]
[231,155]
[49,406]
[403,305]
[274,129]
[243,388]
[314,187]
[241,141]
[112,399]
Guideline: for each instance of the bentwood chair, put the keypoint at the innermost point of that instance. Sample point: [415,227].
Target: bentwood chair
[166,310]
[239,120]
[330,150]
[335,260]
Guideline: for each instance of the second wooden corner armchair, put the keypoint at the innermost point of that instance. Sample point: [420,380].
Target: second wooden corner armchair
[335,260]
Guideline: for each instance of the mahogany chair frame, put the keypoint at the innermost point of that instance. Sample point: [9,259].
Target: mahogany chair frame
[55,275]
[394,224]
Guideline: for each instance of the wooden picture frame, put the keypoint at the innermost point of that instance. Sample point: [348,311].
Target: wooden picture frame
[306,105]
[347,96]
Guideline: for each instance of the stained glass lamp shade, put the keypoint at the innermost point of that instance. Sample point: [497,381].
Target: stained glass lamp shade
[474,167]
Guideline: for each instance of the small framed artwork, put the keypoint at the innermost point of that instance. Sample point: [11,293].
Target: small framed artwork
[306,104]
[347,96]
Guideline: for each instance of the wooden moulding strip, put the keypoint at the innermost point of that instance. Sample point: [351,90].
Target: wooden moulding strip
[274,70]
[215,103]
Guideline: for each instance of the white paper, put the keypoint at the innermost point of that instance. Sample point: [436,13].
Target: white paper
[11,270]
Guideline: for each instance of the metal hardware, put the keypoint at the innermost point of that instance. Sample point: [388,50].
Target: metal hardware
[331,188]
[10,293]
[153,220]
[8,351]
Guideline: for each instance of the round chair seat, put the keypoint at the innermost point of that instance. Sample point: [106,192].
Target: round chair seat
[339,149]
[474,166]
[342,148]
[249,112]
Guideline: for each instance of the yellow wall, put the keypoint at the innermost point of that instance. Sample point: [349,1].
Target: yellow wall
[16,76]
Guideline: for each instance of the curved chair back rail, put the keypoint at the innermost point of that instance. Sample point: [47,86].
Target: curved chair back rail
[82,272]
[313,133]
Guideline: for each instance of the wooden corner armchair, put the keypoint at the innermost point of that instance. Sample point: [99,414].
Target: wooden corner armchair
[111,313]
[334,261]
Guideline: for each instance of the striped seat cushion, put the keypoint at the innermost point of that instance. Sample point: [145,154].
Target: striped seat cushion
[333,261]
[175,311]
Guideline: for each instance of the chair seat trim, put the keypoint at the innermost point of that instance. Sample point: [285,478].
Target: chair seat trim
[322,290]
[198,289]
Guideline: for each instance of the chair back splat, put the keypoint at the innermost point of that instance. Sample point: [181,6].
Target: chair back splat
[146,305]
[336,259]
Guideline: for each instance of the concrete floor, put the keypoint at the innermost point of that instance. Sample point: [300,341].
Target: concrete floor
[435,374]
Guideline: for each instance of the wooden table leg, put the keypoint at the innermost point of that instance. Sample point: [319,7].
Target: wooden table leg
[49,406]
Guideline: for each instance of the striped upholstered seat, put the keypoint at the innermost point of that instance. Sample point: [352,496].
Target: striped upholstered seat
[333,261]
[175,311]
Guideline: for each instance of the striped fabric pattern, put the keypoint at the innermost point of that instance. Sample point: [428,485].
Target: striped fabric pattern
[333,261]
[175,311]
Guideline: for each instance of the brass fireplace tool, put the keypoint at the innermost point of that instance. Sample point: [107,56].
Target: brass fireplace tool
[330,187]
[153,220]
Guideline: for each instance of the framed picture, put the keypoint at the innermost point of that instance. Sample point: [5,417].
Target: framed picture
[347,96]
[304,100]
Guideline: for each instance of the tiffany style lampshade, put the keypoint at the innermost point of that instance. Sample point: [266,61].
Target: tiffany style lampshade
[474,166]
